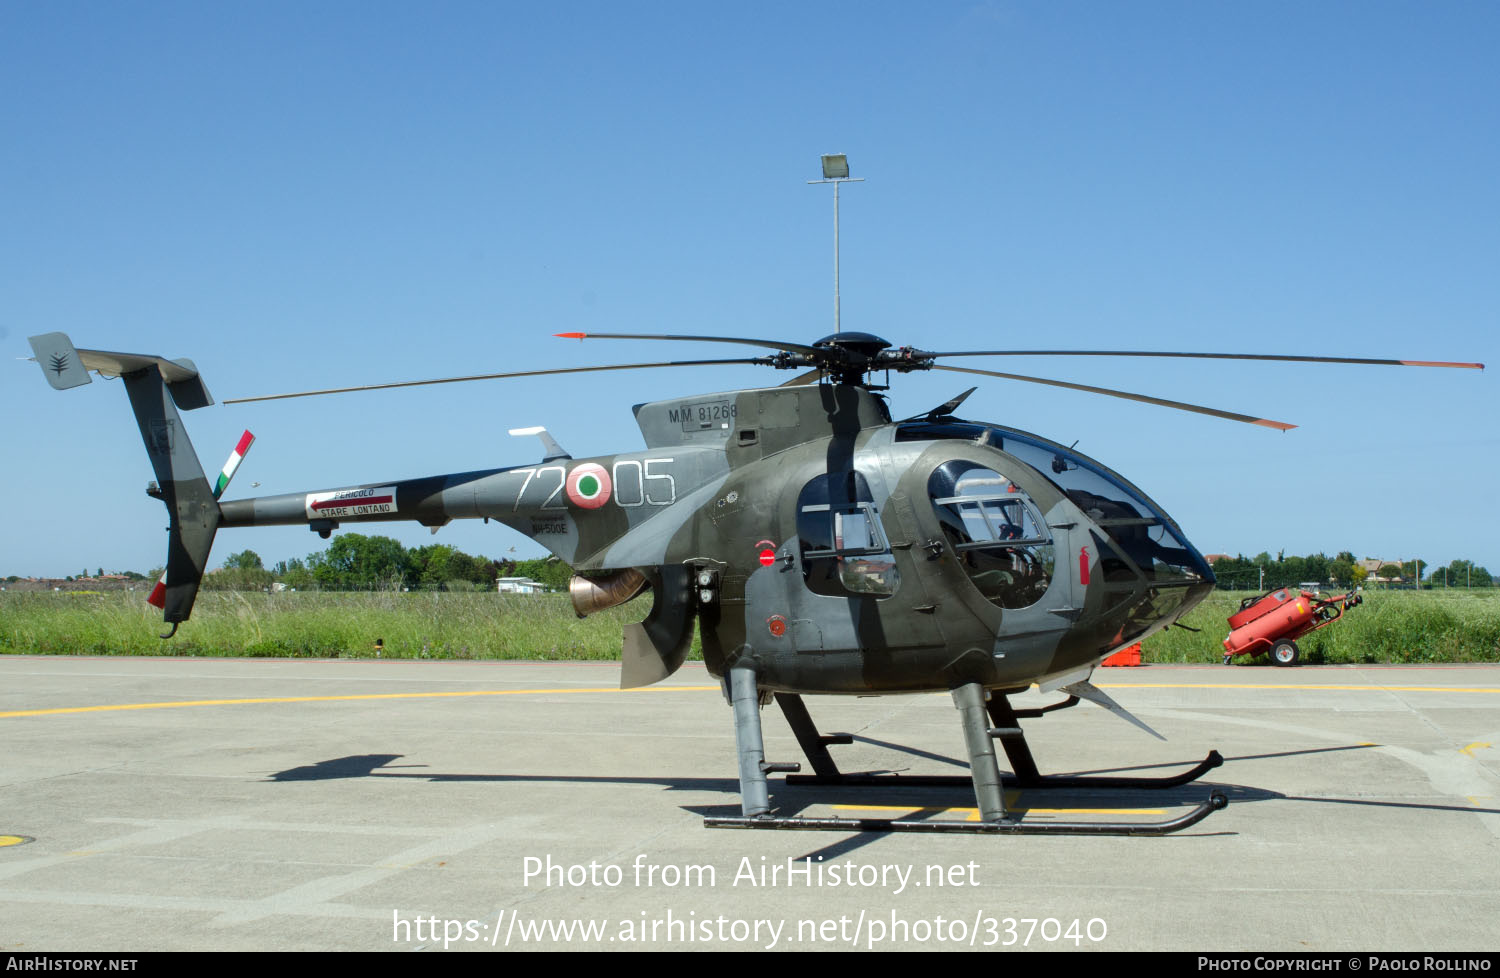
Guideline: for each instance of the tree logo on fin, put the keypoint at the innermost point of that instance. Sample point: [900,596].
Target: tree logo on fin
[59,363]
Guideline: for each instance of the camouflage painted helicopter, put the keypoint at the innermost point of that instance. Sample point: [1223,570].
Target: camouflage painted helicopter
[818,545]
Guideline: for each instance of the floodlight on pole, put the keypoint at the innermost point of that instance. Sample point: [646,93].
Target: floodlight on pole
[836,171]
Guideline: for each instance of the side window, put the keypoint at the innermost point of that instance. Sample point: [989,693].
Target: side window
[844,551]
[994,531]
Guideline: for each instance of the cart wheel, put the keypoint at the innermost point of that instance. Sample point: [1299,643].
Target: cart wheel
[1227,658]
[1285,653]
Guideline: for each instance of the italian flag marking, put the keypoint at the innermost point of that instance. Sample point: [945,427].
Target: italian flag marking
[235,458]
[588,486]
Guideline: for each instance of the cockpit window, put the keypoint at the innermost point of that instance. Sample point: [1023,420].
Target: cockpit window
[995,532]
[1140,530]
[844,551]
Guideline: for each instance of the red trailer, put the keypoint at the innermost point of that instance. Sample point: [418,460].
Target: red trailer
[1273,622]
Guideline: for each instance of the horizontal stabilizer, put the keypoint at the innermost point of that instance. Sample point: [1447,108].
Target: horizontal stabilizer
[67,367]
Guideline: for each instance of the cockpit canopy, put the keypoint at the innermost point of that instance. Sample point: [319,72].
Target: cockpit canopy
[1138,529]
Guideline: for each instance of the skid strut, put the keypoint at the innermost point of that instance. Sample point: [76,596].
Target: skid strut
[985,719]
[1007,730]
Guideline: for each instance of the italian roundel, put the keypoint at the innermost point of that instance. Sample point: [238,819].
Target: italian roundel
[588,486]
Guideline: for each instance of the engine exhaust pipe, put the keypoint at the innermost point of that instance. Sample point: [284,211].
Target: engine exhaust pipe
[597,594]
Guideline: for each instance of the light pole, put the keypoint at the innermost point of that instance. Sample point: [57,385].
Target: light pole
[836,171]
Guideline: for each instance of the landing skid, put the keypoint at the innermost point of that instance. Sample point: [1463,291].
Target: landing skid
[986,717]
[1216,801]
[1007,730]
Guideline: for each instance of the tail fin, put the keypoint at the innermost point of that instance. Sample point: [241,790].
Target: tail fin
[156,387]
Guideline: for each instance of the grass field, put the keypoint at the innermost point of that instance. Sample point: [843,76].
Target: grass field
[1393,626]
[227,623]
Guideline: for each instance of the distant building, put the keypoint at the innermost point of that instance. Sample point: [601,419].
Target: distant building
[519,585]
[1373,564]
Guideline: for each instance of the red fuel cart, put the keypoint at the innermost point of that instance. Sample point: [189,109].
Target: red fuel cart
[1272,623]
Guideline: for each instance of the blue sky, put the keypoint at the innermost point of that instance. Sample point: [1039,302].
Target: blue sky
[303,195]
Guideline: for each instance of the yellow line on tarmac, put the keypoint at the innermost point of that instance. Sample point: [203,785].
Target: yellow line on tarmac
[1470,749]
[357,696]
[682,689]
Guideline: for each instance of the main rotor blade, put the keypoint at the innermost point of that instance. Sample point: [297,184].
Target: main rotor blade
[517,373]
[1296,358]
[1162,402]
[742,341]
[810,377]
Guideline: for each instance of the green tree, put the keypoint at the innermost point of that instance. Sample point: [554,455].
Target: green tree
[429,565]
[244,560]
[1460,573]
[238,579]
[462,567]
[354,562]
[295,575]
[545,570]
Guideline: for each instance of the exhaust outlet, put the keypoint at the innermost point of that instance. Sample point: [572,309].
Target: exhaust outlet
[597,594]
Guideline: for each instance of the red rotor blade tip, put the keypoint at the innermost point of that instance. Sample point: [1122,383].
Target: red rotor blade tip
[571,336]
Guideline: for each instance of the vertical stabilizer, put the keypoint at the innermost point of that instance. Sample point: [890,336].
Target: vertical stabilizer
[157,388]
[184,489]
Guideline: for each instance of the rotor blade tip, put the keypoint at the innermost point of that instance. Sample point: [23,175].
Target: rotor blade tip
[1441,363]
[1278,425]
[571,336]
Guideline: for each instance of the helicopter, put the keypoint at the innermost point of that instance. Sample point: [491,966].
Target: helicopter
[814,543]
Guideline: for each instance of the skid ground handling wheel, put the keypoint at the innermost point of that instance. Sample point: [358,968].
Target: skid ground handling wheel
[1285,653]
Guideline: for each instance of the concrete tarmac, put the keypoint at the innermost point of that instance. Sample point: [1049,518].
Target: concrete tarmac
[169,804]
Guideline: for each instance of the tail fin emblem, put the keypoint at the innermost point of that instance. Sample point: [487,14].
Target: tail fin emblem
[59,363]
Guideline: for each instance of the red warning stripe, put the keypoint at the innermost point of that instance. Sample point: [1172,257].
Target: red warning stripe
[356,501]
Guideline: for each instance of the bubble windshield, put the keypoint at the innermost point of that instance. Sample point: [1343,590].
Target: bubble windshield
[1137,527]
